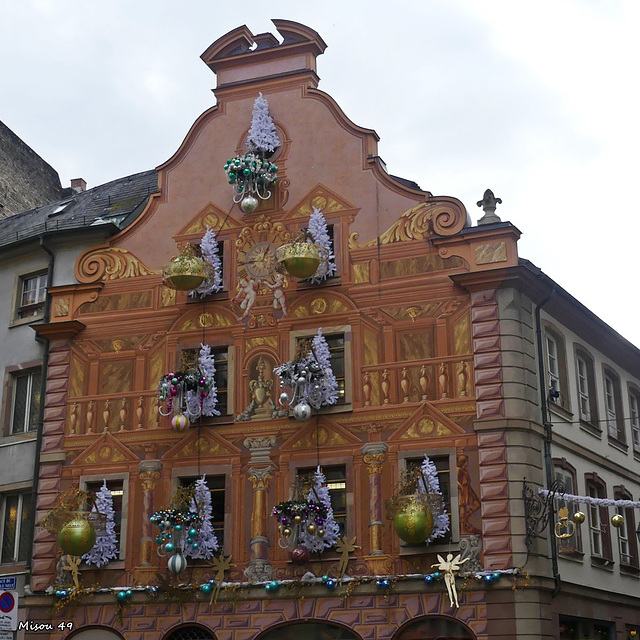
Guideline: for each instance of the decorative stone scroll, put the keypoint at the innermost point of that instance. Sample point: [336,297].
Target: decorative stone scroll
[110,263]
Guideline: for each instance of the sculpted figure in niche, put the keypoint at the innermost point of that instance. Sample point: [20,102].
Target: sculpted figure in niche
[468,499]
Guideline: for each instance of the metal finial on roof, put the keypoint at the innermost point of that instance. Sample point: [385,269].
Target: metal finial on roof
[488,204]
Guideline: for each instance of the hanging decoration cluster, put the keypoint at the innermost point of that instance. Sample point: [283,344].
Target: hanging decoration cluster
[295,517]
[190,394]
[326,536]
[178,530]
[74,527]
[308,380]
[106,544]
[251,174]
[211,258]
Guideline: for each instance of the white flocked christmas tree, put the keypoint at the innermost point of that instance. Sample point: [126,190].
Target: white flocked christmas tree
[441,521]
[207,542]
[106,546]
[320,494]
[329,393]
[320,235]
[209,249]
[263,136]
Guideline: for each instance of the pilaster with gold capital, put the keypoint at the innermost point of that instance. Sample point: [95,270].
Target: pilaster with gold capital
[374,455]
[149,474]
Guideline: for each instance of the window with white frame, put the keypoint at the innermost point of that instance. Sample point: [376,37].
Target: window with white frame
[627,543]
[556,368]
[595,524]
[32,292]
[15,516]
[118,488]
[583,389]
[25,400]
[553,366]
[634,410]
[598,515]
[615,423]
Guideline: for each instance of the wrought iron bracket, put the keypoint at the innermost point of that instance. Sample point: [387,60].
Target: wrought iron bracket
[538,509]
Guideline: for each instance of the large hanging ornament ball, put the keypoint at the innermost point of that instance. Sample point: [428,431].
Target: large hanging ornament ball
[302,411]
[579,517]
[617,520]
[179,422]
[77,537]
[249,204]
[300,555]
[414,523]
[299,259]
[177,564]
[185,271]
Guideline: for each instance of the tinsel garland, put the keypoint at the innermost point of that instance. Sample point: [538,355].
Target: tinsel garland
[600,502]
[233,590]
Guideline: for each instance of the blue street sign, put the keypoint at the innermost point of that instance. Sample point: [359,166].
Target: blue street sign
[7,583]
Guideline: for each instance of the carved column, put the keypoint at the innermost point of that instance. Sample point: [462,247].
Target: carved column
[259,568]
[375,453]
[149,474]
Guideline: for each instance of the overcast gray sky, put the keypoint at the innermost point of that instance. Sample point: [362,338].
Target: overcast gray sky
[537,101]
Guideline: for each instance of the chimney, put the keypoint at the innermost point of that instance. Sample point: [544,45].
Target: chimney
[78,184]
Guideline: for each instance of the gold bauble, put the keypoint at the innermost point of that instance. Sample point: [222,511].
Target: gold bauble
[617,520]
[579,517]
[299,259]
[321,532]
[311,528]
[77,537]
[286,532]
[186,271]
[414,523]
[297,519]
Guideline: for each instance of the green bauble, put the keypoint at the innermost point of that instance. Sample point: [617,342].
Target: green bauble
[77,537]
[414,523]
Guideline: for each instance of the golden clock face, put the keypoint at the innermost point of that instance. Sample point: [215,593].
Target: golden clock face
[260,260]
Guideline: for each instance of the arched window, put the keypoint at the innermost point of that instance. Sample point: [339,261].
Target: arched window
[310,631]
[95,633]
[191,632]
[435,628]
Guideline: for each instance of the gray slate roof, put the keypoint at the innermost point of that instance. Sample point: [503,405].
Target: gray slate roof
[117,202]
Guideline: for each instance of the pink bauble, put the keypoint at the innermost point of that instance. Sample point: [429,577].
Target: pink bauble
[179,422]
